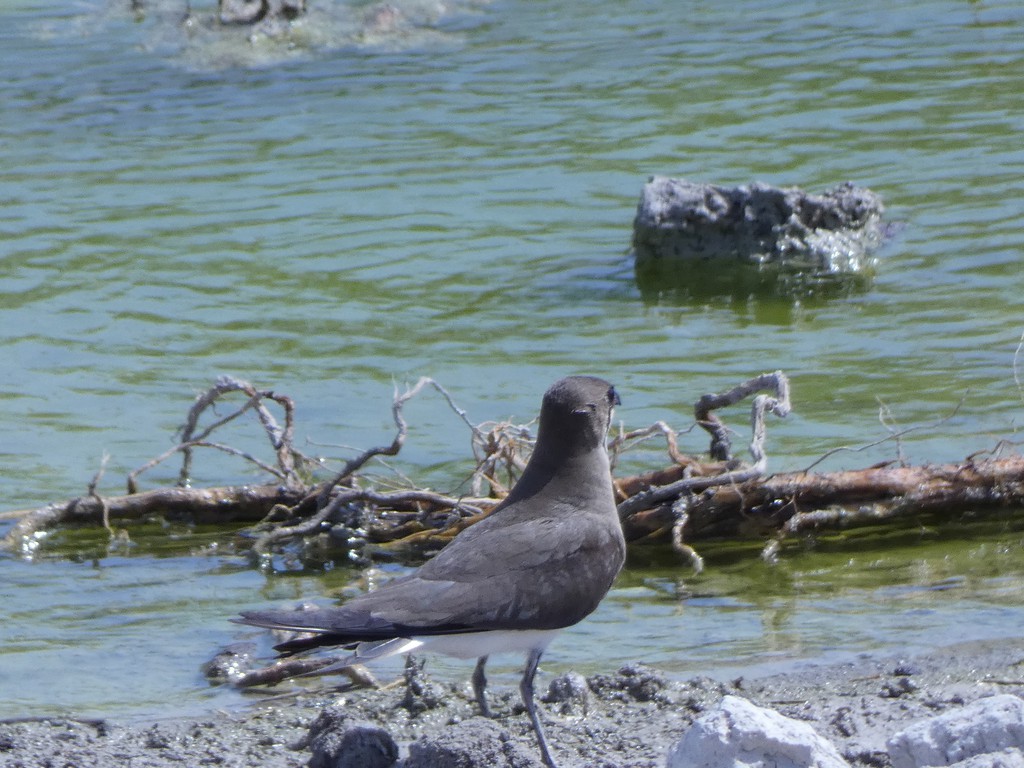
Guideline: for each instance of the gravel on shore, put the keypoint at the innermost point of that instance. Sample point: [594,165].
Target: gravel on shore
[626,718]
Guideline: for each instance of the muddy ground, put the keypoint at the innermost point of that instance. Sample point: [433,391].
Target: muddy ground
[627,718]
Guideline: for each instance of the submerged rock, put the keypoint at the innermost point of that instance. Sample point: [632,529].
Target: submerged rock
[740,733]
[710,237]
[231,663]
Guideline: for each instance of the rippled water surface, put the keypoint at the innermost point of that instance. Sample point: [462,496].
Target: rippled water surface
[357,206]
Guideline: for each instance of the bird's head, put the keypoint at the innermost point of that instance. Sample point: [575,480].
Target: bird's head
[576,414]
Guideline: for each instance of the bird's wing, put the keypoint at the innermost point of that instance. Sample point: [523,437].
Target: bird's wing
[471,589]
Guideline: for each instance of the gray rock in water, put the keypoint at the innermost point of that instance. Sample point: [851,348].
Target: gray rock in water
[834,232]
[231,663]
[692,240]
[989,725]
[740,733]
[338,743]
[470,744]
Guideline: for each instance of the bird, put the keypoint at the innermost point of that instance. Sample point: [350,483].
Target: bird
[541,561]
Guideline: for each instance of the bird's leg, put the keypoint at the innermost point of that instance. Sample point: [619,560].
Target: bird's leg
[526,690]
[480,687]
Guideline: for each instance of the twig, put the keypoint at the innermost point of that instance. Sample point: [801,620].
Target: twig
[398,401]
[618,444]
[91,490]
[885,418]
[281,439]
[502,445]
[350,496]
[892,436]
[779,405]
[833,517]
[684,550]
[1016,366]
[494,448]
[305,667]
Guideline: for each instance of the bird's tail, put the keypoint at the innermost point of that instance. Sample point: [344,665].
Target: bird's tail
[371,651]
[382,649]
[315,636]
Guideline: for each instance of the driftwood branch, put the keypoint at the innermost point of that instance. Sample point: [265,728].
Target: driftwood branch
[787,504]
[625,439]
[693,499]
[344,475]
[720,443]
[330,501]
[200,505]
[280,438]
[290,668]
[346,497]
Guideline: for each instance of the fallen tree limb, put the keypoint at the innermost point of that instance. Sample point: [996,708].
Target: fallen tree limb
[280,438]
[689,501]
[199,505]
[288,669]
[788,504]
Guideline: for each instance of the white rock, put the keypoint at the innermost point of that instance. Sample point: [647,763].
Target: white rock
[1007,758]
[988,725]
[739,734]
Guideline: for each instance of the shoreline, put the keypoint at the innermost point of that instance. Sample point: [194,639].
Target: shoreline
[626,718]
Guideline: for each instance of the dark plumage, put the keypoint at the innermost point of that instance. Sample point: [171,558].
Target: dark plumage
[540,562]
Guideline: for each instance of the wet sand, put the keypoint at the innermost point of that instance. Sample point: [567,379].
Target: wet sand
[627,718]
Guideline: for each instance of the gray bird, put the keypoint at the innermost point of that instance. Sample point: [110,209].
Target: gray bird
[540,562]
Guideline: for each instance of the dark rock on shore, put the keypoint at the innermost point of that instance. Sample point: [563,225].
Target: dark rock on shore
[474,742]
[336,742]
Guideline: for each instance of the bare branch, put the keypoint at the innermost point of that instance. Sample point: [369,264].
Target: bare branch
[503,448]
[689,500]
[219,505]
[351,496]
[99,499]
[684,550]
[287,669]
[885,418]
[892,436]
[619,444]
[1016,366]
[353,465]
[281,439]
[779,405]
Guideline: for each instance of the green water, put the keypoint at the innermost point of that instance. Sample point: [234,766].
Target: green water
[458,204]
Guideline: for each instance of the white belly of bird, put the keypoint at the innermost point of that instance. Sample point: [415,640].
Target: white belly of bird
[467,645]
